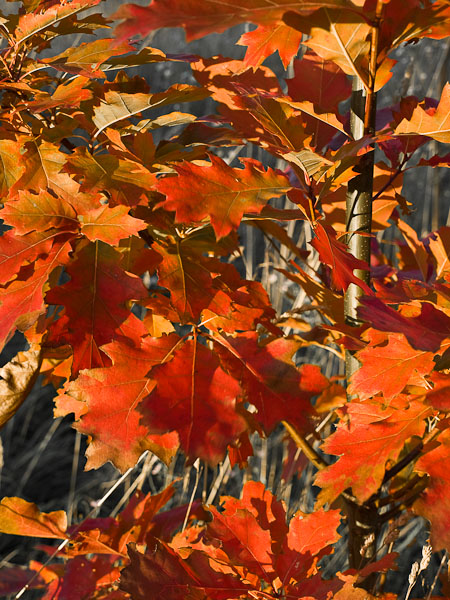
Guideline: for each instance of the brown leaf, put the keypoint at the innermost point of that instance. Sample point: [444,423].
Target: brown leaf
[19,376]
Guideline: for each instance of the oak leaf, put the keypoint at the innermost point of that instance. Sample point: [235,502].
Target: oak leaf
[270,379]
[434,123]
[39,212]
[170,576]
[85,59]
[373,435]
[19,517]
[336,35]
[267,39]
[426,331]
[186,274]
[220,192]
[433,503]
[319,81]
[196,398]
[388,367]
[18,377]
[118,106]
[43,163]
[22,301]
[95,301]
[67,95]
[106,402]
[36,22]
[211,17]
[110,224]
[334,254]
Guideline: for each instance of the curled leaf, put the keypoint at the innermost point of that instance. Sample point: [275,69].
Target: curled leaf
[18,377]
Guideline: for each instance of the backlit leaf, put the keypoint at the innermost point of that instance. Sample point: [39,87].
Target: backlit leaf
[196,398]
[334,254]
[372,435]
[221,193]
[267,39]
[271,382]
[39,212]
[389,367]
[108,400]
[95,301]
[19,517]
[434,123]
[118,106]
[110,225]
[85,59]
[433,502]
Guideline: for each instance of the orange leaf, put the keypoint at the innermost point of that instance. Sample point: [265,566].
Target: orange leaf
[434,123]
[389,367]
[373,435]
[110,225]
[221,193]
[19,517]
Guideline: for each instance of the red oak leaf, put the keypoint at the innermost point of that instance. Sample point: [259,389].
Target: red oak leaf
[319,81]
[85,59]
[258,508]
[242,538]
[43,163]
[95,301]
[309,535]
[267,509]
[425,332]
[389,367]
[125,180]
[188,277]
[221,193]
[439,396]
[334,254]
[133,524]
[16,250]
[34,22]
[67,95]
[439,245]
[210,17]
[22,301]
[333,36]
[85,577]
[270,379]
[110,225]
[108,400]
[433,503]
[267,39]
[172,577]
[39,212]
[373,435]
[196,398]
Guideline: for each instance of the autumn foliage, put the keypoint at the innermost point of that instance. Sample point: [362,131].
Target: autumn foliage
[115,265]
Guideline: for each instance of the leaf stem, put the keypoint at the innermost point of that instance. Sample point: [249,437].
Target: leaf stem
[305,446]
